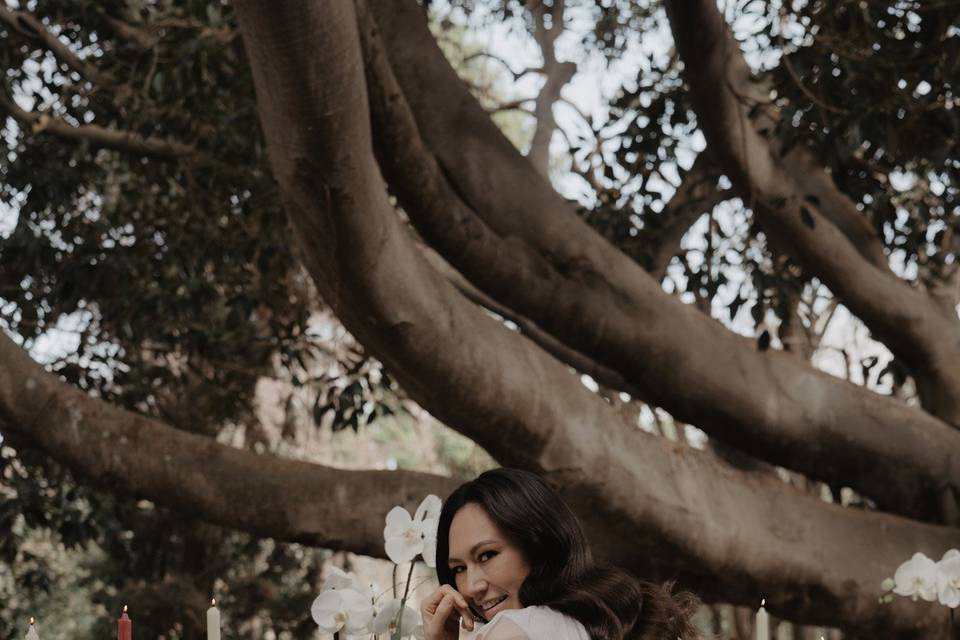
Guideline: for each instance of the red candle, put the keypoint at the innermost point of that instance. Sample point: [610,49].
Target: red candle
[124,626]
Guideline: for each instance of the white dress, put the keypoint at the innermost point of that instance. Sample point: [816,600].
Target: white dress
[529,623]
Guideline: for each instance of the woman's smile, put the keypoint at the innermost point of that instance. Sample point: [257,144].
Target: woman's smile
[487,568]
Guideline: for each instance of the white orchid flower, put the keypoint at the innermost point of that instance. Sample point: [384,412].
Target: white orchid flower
[917,577]
[403,536]
[948,579]
[343,609]
[388,617]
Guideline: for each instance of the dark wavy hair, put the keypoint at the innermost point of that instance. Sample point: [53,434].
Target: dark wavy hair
[610,603]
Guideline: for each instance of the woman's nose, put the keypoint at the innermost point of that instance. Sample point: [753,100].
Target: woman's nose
[476,584]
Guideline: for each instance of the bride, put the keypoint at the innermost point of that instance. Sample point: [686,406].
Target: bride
[514,564]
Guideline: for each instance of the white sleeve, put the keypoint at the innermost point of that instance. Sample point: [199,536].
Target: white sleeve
[502,628]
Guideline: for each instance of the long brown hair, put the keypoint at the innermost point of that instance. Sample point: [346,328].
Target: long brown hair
[609,602]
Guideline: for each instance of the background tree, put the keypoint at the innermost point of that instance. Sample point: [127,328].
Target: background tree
[134,160]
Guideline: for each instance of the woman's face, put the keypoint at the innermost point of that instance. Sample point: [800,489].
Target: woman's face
[488,569]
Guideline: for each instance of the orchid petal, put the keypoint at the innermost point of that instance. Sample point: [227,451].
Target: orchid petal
[948,579]
[325,610]
[917,577]
[429,509]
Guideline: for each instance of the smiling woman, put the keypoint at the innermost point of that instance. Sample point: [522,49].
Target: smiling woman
[514,564]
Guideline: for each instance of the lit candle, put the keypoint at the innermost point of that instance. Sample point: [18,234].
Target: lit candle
[124,626]
[213,621]
[32,631]
[762,624]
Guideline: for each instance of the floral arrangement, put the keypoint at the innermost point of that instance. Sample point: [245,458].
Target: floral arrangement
[921,577]
[349,607]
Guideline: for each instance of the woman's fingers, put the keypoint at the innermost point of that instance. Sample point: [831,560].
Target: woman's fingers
[460,603]
[429,604]
[439,610]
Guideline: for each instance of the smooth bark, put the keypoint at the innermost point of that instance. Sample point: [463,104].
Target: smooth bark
[135,455]
[479,203]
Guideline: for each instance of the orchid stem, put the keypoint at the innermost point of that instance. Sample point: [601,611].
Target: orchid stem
[406,588]
[403,600]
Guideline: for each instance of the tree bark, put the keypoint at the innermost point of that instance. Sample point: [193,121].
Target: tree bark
[262,494]
[477,201]
[532,413]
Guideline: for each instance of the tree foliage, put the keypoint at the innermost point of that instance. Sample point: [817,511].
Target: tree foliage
[182,264]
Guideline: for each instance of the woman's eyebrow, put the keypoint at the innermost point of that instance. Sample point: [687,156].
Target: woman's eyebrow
[473,549]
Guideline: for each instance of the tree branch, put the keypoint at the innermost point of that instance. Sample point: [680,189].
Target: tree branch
[28,26]
[532,412]
[516,74]
[793,210]
[697,194]
[557,75]
[144,40]
[480,204]
[138,456]
[126,141]
[581,363]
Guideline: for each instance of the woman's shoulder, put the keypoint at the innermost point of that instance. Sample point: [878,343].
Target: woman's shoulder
[535,623]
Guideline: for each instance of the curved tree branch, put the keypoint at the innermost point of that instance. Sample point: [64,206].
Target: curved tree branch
[477,201]
[135,455]
[533,412]
[556,75]
[731,107]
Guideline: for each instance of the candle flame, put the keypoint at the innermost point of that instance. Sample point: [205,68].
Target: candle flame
[763,601]
[213,602]
[124,608]
[31,621]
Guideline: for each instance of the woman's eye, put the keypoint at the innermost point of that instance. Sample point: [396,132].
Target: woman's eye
[456,570]
[486,555]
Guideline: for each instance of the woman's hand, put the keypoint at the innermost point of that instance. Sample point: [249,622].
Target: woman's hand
[441,612]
